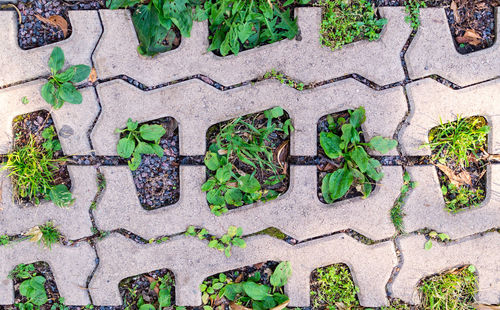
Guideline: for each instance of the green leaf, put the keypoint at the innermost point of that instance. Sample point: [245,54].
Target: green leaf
[233,196]
[213,243]
[69,93]
[147,307]
[372,171]
[135,162]
[121,4]
[340,182]
[223,174]
[382,145]
[471,268]
[281,274]
[208,185]
[232,290]
[331,144]
[65,76]
[125,147]
[56,60]
[256,291]
[131,125]
[49,93]
[61,196]
[150,31]
[361,158]
[428,245]
[144,148]
[248,184]
[349,134]
[212,161]
[357,117]
[81,73]
[239,243]
[325,189]
[215,198]
[158,150]
[152,132]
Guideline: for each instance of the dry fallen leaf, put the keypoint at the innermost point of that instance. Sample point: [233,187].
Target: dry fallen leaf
[485,307]
[35,233]
[454,8]
[93,75]
[56,21]
[239,278]
[457,180]
[281,155]
[471,37]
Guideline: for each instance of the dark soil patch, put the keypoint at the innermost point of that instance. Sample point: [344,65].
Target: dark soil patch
[33,124]
[41,269]
[134,288]
[157,179]
[277,141]
[327,165]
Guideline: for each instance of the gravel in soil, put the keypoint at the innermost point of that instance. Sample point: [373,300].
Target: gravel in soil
[33,124]
[157,179]
[278,142]
[327,165]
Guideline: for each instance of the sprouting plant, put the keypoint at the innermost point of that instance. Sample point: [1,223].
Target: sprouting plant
[154,21]
[60,88]
[436,236]
[33,286]
[137,142]
[273,74]
[240,141]
[59,305]
[346,21]
[225,243]
[33,169]
[344,141]
[458,198]
[455,290]
[46,234]
[159,240]
[457,140]
[397,210]
[163,286]
[236,25]
[22,271]
[25,100]
[4,240]
[334,287]
[249,293]
[412,9]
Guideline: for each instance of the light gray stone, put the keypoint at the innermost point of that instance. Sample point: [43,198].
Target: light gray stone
[305,60]
[298,212]
[425,206]
[73,222]
[72,121]
[482,252]
[18,65]
[433,51]
[70,265]
[196,106]
[191,261]
[432,102]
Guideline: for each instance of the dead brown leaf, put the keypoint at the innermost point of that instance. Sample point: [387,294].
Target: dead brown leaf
[93,75]
[56,21]
[454,8]
[151,280]
[239,278]
[485,307]
[457,180]
[281,155]
[470,36]
[235,306]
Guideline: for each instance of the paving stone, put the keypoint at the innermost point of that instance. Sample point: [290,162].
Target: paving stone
[18,65]
[298,212]
[191,261]
[70,266]
[76,119]
[73,222]
[482,252]
[425,206]
[433,52]
[196,106]
[304,59]
[432,102]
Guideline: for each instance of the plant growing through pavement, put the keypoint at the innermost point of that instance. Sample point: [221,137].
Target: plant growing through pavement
[32,287]
[60,88]
[46,234]
[333,286]
[358,169]
[225,243]
[137,142]
[412,9]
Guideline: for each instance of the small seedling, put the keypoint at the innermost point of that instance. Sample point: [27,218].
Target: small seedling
[32,287]
[436,236]
[412,9]
[60,88]
[223,244]
[4,240]
[138,142]
[397,211]
[25,100]
[46,234]
[273,74]
[344,140]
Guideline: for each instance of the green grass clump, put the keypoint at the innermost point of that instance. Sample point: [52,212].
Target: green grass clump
[333,286]
[453,290]
[458,198]
[458,140]
[344,22]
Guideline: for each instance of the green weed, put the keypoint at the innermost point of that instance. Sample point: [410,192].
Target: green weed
[46,234]
[397,210]
[32,287]
[60,87]
[412,9]
[458,198]
[273,74]
[4,240]
[223,244]
[343,140]
[347,21]
[333,285]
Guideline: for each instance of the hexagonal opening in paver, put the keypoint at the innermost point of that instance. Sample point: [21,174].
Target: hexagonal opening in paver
[345,168]
[34,285]
[259,286]
[247,160]
[155,288]
[455,288]
[157,178]
[332,286]
[459,152]
[36,163]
